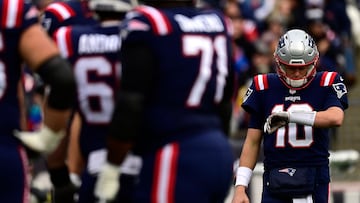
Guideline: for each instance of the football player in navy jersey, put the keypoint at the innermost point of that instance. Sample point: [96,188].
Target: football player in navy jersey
[63,168]
[173,105]
[22,40]
[93,52]
[63,13]
[291,113]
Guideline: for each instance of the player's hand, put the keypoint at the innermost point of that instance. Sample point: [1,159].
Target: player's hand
[107,183]
[44,141]
[240,195]
[276,121]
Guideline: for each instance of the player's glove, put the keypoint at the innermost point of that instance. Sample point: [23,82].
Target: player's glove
[276,121]
[44,141]
[282,118]
[107,184]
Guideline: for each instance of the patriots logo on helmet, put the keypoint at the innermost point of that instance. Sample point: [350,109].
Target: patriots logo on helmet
[340,89]
[290,171]
[311,42]
[281,42]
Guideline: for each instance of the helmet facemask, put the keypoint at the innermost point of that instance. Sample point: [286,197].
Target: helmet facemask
[296,83]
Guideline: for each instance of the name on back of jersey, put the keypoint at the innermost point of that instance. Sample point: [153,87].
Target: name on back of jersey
[200,23]
[98,43]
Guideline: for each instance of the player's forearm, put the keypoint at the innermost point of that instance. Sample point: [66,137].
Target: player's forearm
[117,150]
[248,158]
[251,148]
[332,117]
[75,162]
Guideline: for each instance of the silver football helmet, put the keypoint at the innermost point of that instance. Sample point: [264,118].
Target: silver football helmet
[117,6]
[296,48]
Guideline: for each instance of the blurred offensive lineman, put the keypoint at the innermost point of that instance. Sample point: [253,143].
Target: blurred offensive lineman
[93,51]
[22,39]
[65,170]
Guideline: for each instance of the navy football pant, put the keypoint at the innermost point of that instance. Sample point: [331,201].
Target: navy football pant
[321,195]
[198,168]
[14,172]
[86,191]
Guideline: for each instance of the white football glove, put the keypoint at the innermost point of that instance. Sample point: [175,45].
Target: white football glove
[107,183]
[44,141]
[282,118]
[276,121]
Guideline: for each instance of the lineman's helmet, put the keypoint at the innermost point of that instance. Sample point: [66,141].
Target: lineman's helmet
[117,6]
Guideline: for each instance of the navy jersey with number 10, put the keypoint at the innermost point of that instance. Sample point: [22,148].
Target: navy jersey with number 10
[294,142]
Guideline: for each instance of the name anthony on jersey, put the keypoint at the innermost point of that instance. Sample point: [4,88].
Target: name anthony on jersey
[98,43]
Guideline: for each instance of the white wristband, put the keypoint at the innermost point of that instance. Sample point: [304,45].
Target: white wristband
[302,117]
[243,176]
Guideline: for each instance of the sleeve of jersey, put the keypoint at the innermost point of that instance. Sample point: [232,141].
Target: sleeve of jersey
[62,38]
[337,90]
[145,23]
[18,15]
[252,101]
[56,14]
[50,22]
[30,15]
[135,30]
